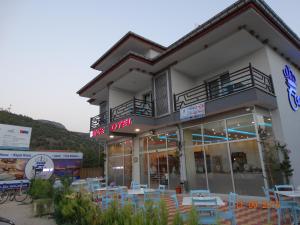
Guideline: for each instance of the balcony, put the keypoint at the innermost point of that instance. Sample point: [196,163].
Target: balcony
[225,85]
[133,107]
[99,121]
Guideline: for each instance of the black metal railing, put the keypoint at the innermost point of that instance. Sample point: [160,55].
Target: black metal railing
[99,120]
[132,107]
[224,85]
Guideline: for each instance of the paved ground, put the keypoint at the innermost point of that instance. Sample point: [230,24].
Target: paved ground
[22,214]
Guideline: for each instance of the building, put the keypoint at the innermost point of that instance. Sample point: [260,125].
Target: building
[203,109]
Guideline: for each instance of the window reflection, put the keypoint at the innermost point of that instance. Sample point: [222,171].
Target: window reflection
[242,127]
[214,132]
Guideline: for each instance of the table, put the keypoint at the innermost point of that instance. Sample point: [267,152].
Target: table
[292,194]
[111,188]
[139,191]
[188,201]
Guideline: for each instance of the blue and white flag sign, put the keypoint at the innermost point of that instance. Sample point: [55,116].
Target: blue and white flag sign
[14,137]
[193,112]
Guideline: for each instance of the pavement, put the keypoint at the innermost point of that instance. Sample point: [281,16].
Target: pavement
[22,214]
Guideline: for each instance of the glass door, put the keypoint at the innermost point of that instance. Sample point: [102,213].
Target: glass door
[154,173]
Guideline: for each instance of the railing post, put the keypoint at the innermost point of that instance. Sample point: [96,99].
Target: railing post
[251,74]
[134,109]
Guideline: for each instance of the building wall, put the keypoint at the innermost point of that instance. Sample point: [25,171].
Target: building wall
[286,121]
[180,81]
[258,59]
[117,97]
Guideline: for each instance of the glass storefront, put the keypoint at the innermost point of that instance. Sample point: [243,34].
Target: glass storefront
[159,160]
[120,163]
[223,156]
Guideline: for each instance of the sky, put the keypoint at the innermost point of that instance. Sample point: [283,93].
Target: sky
[47,47]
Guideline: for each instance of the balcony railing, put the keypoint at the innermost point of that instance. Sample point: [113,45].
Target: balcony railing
[132,107]
[98,121]
[226,84]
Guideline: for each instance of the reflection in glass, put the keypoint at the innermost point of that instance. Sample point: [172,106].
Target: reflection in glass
[246,166]
[127,170]
[115,149]
[174,168]
[153,170]
[195,167]
[156,142]
[115,170]
[242,127]
[214,132]
[192,136]
[218,168]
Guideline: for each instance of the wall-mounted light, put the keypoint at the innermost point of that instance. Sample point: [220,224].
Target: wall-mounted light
[137,129]
[111,136]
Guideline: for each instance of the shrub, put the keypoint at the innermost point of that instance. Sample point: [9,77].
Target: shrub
[40,189]
[177,219]
[193,217]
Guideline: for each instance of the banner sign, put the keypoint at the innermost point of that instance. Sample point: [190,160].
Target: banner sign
[29,154]
[19,165]
[193,112]
[14,137]
[14,184]
[291,82]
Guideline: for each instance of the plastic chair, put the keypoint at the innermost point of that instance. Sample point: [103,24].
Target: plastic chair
[207,209]
[230,213]
[128,199]
[162,188]
[134,185]
[286,203]
[198,193]
[184,216]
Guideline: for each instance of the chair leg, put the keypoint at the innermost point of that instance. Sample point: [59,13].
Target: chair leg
[278,216]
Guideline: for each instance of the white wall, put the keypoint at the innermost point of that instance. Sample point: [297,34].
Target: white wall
[258,59]
[151,53]
[180,81]
[286,122]
[117,97]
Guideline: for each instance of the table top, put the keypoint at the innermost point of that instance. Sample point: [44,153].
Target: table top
[111,188]
[188,201]
[139,191]
[293,194]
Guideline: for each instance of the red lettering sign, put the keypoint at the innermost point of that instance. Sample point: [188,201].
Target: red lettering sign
[121,124]
[97,132]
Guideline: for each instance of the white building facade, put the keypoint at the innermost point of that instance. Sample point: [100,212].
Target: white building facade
[205,110]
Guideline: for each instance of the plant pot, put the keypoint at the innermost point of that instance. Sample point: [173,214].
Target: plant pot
[41,207]
[178,190]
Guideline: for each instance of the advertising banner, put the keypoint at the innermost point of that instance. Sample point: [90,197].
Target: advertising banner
[14,137]
[193,112]
[13,164]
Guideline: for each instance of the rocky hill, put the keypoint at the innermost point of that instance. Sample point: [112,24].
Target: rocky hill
[49,135]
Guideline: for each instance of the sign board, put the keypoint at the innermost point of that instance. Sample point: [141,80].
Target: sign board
[97,132]
[193,112]
[13,164]
[291,82]
[120,124]
[14,137]
[39,166]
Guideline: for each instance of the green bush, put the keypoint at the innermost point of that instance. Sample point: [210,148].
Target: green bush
[177,219]
[193,217]
[40,189]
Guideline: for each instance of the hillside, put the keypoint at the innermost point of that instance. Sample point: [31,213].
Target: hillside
[51,136]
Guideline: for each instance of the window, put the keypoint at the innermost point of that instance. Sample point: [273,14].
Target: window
[241,128]
[147,97]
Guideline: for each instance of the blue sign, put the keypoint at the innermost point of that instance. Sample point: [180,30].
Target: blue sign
[291,82]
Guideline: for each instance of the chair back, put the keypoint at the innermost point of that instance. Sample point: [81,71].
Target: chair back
[161,187]
[175,200]
[153,196]
[204,202]
[198,193]
[134,185]
[284,188]
[143,186]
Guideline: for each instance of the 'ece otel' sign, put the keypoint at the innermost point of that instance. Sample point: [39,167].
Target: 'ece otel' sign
[112,127]
[290,80]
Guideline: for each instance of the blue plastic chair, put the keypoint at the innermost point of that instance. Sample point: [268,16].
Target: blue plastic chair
[297,217]
[286,203]
[129,199]
[198,193]
[184,216]
[230,213]
[207,209]
[134,185]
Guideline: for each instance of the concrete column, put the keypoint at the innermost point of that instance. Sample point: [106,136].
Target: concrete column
[136,159]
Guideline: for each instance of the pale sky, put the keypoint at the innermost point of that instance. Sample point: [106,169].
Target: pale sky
[47,47]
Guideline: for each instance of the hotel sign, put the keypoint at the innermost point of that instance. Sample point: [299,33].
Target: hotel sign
[121,124]
[291,82]
[112,127]
[193,112]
